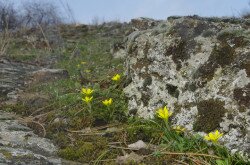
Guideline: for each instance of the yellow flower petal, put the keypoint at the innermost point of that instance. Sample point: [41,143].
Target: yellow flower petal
[117,77]
[213,136]
[179,129]
[163,113]
[207,138]
[87,91]
[107,102]
[87,99]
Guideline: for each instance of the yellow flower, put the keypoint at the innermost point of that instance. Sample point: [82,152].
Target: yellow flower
[179,129]
[116,77]
[87,91]
[164,113]
[107,102]
[87,99]
[213,136]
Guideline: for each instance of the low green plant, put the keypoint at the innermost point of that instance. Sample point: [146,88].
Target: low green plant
[183,143]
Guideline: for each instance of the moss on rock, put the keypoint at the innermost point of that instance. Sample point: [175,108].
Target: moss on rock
[147,82]
[145,98]
[141,63]
[235,37]
[178,52]
[221,56]
[6,153]
[173,90]
[210,113]
[242,95]
[246,66]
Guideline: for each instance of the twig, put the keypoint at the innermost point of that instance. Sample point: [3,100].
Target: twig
[41,109]
[40,115]
[106,126]
[178,161]
[106,160]
[96,133]
[124,148]
[78,131]
[110,143]
[191,154]
[92,134]
[44,130]
[5,40]
[30,120]
[197,160]
[45,38]
[96,129]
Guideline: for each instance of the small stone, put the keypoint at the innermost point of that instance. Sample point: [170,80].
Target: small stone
[137,145]
[132,157]
[56,120]
[45,75]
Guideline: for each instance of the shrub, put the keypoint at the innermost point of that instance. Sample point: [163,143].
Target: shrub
[30,14]
[9,19]
[43,13]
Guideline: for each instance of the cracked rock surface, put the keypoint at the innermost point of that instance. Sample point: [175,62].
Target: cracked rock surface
[19,145]
[12,76]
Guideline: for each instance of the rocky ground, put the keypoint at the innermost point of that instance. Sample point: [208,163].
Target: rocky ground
[12,76]
[18,142]
[20,72]
[42,113]
[19,145]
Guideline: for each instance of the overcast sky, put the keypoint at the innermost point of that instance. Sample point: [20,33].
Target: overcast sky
[123,10]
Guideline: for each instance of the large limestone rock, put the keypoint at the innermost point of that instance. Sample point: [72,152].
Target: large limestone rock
[200,69]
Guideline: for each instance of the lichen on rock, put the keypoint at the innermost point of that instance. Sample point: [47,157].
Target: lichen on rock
[199,68]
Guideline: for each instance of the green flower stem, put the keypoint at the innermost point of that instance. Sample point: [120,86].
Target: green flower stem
[90,108]
[111,112]
[167,130]
[167,125]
